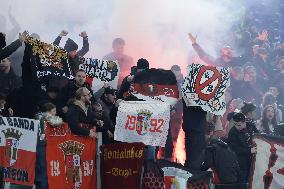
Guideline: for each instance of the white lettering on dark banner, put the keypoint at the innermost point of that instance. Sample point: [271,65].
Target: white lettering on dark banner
[101,69]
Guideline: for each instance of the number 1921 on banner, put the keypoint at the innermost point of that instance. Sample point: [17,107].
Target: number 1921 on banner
[143,124]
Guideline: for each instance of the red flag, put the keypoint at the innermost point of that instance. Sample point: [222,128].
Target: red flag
[70,159]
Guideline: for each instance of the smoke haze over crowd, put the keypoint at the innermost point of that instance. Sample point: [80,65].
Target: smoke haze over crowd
[154,29]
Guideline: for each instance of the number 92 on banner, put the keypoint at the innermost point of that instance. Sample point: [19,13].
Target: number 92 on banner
[146,122]
[139,124]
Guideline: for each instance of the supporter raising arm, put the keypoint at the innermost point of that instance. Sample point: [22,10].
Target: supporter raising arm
[201,53]
[84,35]
[59,37]
[225,58]
[6,51]
[85,48]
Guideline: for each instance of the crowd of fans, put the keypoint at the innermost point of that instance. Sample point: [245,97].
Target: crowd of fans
[254,100]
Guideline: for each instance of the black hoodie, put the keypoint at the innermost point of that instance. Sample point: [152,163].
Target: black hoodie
[220,157]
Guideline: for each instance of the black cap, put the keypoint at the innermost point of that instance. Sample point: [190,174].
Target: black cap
[110,90]
[248,107]
[239,117]
[142,64]
[2,40]
[70,45]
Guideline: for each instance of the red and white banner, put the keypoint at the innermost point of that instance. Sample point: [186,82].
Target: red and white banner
[268,166]
[18,138]
[70,159]
[100,71]
[205,86]
[175,178]
[155,85]
[142,121]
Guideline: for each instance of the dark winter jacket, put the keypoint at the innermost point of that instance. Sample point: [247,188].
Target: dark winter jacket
[29,77]
[24,101]
[81,52]
[125,86]
[239,142]
[8,82]
[8,50]
[108,126]
[46,99]
[221,158]
[69,91]
[194,118]
[107,106]
[250,124]
[76,117]
[75,61]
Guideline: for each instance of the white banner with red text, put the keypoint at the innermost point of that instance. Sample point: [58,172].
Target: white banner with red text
[141,121]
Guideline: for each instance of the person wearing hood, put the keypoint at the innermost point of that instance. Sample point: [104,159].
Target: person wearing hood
[239,140]
[73,57]
[142,64]
[223,161]
[249,110]
[6,51]
[72,48]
